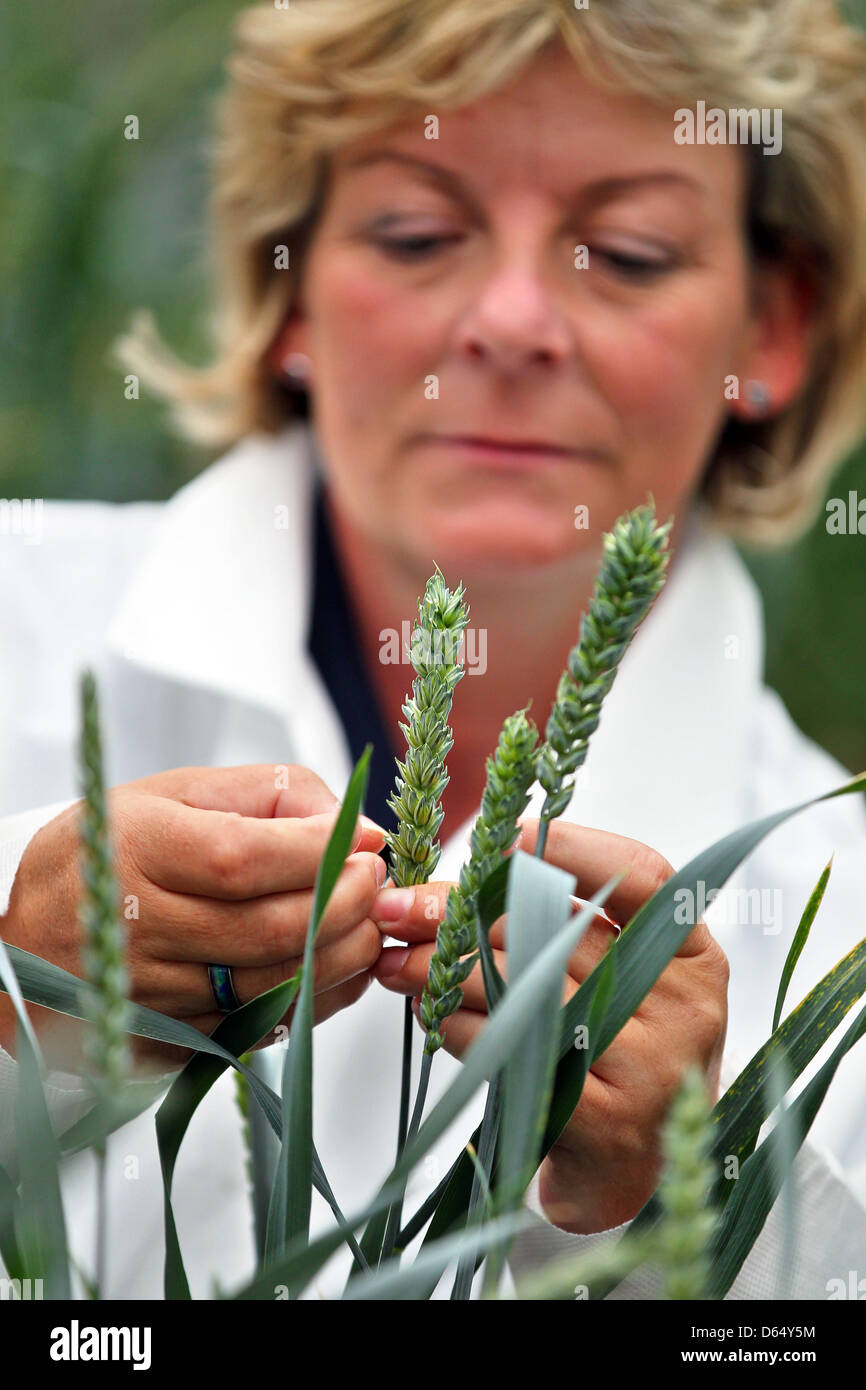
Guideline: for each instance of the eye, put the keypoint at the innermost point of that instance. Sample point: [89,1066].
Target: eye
[412,248]
[631,267]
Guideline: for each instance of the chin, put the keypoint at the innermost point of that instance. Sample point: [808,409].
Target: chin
[463,548]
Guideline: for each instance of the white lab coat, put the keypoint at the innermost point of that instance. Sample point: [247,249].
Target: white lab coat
[193,614]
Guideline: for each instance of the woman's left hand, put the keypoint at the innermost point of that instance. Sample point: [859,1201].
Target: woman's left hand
[607,1162]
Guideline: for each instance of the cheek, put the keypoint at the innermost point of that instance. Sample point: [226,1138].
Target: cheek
[372,336]
[673,375]
[667,390]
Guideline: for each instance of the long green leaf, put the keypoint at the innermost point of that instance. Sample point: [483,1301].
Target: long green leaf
[714,866]
[537,902]
[503,1033]
[42,982]
[40,1225]
[450,1190]
[760,1177]
[490,904]
[650,941]
[801,936]
[534,903]
[373,1240]
[392,1282]
[302,1259]
[600,998]
[603,995]
[58,989]
[289,1213]
[262,1154]
[742,1110]
[10,1251]
[784,1152]
[41,1229]
[483,1165]
[111,1114]
[505,1029]
[237,1032]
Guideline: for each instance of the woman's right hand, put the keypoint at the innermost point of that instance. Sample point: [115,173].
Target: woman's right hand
[214,866]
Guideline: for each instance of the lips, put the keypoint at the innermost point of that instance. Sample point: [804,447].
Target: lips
[489,452]
[532,446]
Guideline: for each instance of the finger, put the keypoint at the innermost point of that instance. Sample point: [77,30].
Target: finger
[185,989]
[263,931]
[594,856]
[325,1005]
[256,789]
[412,914]
[404,969]
[460,1031]
[464,1028]
[155,1057]
[222,854]
[624,1064]
[331,1001]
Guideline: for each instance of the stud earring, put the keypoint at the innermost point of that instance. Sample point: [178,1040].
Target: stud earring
[758,397]
[296,366]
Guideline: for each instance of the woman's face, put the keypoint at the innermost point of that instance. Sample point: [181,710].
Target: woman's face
[442,295]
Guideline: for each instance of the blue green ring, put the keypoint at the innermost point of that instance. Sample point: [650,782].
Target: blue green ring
[220,977]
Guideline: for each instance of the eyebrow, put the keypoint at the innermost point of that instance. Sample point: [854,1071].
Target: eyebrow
[597,191]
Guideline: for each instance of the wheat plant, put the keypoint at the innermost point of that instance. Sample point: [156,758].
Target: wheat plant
[698,1227]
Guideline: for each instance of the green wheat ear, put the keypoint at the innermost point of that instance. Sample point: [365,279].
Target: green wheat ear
[688,1221]
[632,572]
[421,779]
[510,773]
[106,1045]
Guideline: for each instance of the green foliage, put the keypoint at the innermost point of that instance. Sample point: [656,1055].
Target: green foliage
[291,1197]
[801,936]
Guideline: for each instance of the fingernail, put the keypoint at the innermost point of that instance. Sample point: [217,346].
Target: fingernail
[371,825]
[392,905]
[392,962]
[381,870]
[363,825]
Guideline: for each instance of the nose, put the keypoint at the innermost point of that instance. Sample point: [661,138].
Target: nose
[514,325]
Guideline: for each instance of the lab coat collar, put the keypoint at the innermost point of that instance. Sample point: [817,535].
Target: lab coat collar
[222,599]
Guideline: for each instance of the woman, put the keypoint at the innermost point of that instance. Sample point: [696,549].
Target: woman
[513,304]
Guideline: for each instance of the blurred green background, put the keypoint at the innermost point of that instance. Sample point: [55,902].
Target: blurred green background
[94,226]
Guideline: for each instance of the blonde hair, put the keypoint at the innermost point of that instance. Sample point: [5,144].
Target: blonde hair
[310,76]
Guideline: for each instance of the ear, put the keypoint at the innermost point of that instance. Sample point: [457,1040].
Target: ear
[777,352]
[292,337]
